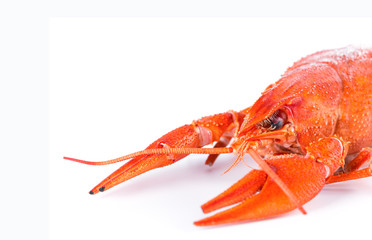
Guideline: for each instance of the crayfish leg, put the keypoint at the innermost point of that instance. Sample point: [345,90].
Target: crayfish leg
[364,156]
[352,170]
[228,134]
[223,142]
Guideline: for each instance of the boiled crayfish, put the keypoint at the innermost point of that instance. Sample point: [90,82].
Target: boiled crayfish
[311,128]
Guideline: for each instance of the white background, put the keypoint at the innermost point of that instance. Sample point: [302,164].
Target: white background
[24,97]
[117,84]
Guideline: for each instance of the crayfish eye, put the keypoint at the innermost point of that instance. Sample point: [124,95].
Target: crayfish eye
[275,121]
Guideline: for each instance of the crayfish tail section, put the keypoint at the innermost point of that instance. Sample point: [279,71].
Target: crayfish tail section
[244,188]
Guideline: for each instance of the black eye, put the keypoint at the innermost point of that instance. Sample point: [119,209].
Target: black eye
[275,121]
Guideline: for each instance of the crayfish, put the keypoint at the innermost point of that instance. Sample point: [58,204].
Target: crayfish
[310,128]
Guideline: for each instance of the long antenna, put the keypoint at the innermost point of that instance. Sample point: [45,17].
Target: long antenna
[151,151]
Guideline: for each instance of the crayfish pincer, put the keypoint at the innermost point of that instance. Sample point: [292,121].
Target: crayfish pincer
[310,128]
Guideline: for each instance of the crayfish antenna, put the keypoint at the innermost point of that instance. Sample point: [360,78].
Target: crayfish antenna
[241,151]
[154,151]
[144,161]
[96,163]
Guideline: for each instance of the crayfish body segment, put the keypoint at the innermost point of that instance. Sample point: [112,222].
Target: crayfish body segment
[300,131]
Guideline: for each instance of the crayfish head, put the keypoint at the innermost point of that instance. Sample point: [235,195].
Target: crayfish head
[274,134]
[307,97]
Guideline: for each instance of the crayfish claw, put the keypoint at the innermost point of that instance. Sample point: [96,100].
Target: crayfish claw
[303,176]
[244,188]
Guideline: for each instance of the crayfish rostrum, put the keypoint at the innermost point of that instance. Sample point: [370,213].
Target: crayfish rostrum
[310,128]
